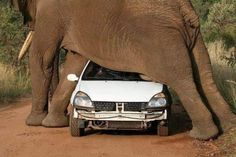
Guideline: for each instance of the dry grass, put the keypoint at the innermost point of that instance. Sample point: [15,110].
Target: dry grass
[225,78]
[12,84]
[224,75]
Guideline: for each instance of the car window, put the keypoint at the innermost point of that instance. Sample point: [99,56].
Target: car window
[96,72]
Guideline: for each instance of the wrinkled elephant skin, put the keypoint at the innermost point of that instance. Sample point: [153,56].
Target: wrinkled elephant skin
[158,38]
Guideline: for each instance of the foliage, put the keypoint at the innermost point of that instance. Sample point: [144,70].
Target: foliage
[219,23]
[14,79]
[202,8]
[224,77]
[12,84]
[12,34]
[231,60]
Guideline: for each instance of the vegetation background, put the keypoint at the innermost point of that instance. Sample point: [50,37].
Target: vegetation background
[218,21]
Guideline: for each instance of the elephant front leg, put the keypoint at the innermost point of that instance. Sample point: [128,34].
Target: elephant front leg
[57,117]
[41,74]
[47,38]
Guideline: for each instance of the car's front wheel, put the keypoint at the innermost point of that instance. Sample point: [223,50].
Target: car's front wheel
[74,126]
[163,129]
[163,126]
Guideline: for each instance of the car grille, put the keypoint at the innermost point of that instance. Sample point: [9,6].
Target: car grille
[111,106]
[134,106]
[104,106]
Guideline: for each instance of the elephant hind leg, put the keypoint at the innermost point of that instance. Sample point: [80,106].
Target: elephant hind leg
[224,116]
[56,117]
[175,70]
[55,77]
[203,125]
[178,74]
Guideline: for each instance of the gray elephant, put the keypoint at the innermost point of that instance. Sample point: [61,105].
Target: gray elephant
[157,38]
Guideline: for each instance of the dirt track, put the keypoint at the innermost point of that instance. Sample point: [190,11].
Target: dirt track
[19,140]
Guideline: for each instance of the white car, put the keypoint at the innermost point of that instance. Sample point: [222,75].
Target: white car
[110,100]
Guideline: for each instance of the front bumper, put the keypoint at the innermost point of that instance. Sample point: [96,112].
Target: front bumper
[143,116]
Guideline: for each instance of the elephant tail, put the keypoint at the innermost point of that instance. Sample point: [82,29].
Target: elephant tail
[189,14]
[206,85]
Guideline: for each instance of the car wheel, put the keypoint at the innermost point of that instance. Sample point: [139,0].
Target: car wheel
[163,129]
[74,126]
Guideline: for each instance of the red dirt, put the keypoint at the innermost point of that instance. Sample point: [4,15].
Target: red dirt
[19,140]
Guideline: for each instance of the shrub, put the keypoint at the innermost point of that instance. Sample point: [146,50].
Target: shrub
[14,80]
[12,35]
[12,84]
[225,80]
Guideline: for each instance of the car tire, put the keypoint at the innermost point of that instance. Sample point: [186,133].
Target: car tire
[75,131]
[163,130]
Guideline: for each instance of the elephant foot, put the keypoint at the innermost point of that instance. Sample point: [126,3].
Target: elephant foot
[55,120]
[204,133]
[35,119]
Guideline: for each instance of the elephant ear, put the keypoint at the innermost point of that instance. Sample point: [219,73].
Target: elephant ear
[28,10]
[16,4]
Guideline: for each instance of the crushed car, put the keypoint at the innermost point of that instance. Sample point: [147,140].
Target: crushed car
[105,99]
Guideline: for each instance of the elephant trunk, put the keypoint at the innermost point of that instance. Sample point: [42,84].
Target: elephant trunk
[206,85]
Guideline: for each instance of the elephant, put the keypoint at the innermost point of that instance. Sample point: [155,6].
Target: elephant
[160,39]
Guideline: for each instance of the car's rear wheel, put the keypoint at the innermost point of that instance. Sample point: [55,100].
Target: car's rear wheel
[74,126]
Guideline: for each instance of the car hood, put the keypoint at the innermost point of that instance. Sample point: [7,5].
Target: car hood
[119,91]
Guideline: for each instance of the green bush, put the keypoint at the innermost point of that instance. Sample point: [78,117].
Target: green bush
[12,35]
[218,23]
[221,23]
[14,79]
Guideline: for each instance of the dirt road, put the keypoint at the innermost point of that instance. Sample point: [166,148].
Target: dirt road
[19,140]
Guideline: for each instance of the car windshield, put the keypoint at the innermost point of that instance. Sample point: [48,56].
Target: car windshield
[96,72]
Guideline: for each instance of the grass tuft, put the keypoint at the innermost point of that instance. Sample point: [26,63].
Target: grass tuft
[13,84]
[225,78]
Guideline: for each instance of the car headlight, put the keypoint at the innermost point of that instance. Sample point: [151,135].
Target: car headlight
[158,100]
[82,100]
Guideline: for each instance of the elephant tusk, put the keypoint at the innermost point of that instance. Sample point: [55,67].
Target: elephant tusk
[26,45]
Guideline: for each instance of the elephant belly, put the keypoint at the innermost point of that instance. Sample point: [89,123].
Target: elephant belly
[124,39]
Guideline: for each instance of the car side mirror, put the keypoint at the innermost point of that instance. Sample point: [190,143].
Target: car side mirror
[72,77]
